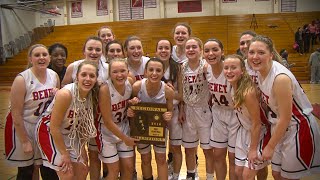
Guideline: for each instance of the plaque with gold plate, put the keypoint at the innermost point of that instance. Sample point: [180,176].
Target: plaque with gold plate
[148,125]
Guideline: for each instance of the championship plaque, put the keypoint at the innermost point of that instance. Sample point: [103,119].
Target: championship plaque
[148,124]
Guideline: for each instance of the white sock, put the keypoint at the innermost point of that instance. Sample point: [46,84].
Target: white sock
[209,176]
[175,175]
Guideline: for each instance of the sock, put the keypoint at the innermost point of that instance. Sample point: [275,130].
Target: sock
[176,175]
[191,173]
[209,176]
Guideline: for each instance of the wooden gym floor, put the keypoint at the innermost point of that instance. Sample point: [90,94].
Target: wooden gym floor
[7,172]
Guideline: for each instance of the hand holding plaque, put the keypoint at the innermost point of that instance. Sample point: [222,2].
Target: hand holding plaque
[148,123]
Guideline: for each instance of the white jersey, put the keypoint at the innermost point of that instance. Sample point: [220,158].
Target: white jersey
[252,73]
[38,96]
[175,57]
[144,96]
[102,66]
[220,90]
[119,105]
[195,85]
[68,118]
[301,106]
[139,73]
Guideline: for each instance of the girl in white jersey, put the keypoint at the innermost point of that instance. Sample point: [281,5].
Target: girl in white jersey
[181,33]
[251,133]
[152,89]
[68,124]
[31,93]
[225,125]
[114,49]
[135,58]
[195,112]
[106,35]
[172,75]
[115,144]
[92,51]
[294,147]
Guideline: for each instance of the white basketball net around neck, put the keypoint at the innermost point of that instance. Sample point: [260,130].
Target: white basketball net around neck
[83,127]
[196,92]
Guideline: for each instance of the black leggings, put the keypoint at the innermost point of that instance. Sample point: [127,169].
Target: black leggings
[48,173]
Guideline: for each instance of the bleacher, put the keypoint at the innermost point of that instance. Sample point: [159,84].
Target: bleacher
[279,26]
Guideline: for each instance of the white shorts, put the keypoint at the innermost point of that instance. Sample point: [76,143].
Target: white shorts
[224,128]
[298,152]
[175,128]
[92,145]
[111,150]
[50,154]
[243,145]
[13,147]
[196,127]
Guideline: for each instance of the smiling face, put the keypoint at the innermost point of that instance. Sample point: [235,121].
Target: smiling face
[58,57]
[244,44]
[232,70]
[106,35]
[93,50]
[154,71]
[134,50]
[39,57]
[260,56]
[115,51]
[212,52]
[181,35]
[193,50]
[163,50]
[87,78]
[118,72]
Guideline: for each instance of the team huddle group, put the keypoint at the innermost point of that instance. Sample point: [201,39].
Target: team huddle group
[249,106]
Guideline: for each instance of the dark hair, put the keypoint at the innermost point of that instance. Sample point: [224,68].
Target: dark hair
[154,59]
[182,24]
[91,38]
[57,45]
[173,65]
[104,27]
[219,43]
[114,42]
[95,89]
[130,38]
[252,33]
